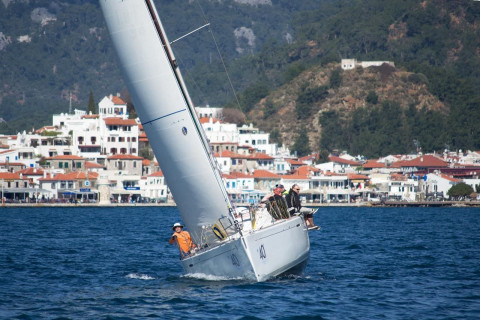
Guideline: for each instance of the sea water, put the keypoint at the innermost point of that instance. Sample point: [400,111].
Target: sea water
[116,263]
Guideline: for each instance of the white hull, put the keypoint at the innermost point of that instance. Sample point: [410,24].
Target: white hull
[258,255]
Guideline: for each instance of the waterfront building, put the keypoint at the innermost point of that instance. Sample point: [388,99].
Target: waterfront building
[125,164]
[436,185]
[154,188]
[70,187]
[339,165]
[15,187]
[67,163]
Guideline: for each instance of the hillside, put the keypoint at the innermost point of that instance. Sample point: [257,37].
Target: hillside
[51,51]
[359,89]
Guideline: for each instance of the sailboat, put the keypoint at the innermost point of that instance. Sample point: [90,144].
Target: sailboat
[258,248]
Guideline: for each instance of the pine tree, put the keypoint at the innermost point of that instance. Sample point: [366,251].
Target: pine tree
[302,143]
[91,104]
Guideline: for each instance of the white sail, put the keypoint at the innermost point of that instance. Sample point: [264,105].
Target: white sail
[166,112]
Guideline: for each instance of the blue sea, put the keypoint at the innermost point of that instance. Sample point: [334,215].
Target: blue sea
[115,263]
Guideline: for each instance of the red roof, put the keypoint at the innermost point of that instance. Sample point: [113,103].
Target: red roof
[11,176]
[90,164]
[157,174]
[373,164]
[240,175]
[207,120]
[91,116]
[449,178]
[117,100]
[31,172]
[124,156]
[120,122]
[12,164]
[294,162]
[80,175]
[306,170]
[260,156]
[230,154]
[295,177]
[422,161]
[265,174]
[354,176]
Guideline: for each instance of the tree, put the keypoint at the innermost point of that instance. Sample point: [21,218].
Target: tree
[460,190]
[336,78]
[91,104]
[302,143]
[232,115]
[372,97]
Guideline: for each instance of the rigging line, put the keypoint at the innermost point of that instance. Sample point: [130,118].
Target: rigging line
[186,35]
[220,55]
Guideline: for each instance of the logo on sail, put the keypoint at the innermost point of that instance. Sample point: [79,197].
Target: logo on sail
[185,131]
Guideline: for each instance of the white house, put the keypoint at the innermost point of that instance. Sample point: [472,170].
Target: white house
[154,188]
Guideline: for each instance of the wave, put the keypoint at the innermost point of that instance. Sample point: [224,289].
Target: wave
[203,276]
[139,276]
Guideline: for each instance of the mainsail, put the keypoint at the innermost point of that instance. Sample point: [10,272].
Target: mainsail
[166,112]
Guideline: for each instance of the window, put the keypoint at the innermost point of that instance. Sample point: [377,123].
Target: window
[66,165]
[60,165]
[234,161]
[121,139]
[24,184]
[52,186]
[79,164]
[134,164]
[134,139]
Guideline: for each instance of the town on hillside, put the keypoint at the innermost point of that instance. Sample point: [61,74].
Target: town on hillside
[105,158]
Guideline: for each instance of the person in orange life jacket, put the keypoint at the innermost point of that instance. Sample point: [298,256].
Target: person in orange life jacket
[182,239]
[294,206]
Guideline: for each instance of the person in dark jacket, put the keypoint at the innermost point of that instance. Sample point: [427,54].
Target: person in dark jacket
[295,206]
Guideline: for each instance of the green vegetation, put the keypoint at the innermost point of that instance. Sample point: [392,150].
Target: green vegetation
[460,190]
[302,145]
[436,40]
[92,108]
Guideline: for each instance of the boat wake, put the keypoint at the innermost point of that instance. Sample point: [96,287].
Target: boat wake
[139,276]
[203,276]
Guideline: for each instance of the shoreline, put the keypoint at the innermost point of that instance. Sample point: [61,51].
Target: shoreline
[312,205]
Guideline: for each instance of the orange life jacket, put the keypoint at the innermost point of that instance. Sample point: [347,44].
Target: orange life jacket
[184,242]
